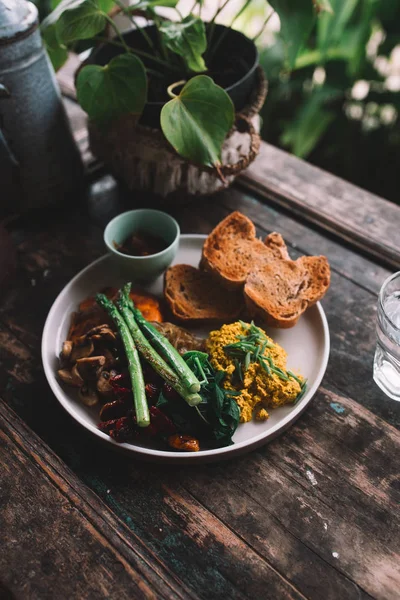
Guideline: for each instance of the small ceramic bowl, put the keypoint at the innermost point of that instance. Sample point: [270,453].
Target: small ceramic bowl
[155,222]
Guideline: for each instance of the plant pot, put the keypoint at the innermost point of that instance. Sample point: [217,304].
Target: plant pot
[234,65]
[139,154]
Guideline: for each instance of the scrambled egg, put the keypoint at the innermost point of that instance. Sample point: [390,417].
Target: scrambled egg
[259,390]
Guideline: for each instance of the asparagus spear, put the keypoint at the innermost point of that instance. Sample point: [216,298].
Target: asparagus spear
[134,366]
[150,354]
[163,346]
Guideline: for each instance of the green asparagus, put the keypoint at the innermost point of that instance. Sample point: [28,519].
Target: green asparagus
[150,354]
[134,366]
[166,349]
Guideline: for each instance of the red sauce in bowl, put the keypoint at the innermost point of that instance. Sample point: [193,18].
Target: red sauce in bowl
[141,243]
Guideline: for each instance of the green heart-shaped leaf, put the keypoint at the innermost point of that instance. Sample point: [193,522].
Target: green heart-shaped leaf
[81,23]
[119,88]
[188,39]
[62,6]
[197,121]
[58,53]
[297,18]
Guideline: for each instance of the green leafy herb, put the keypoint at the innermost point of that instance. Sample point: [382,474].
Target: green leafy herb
[250,348]
[188,39]
[119,88]
[197,121]
[216,418]
[302,391]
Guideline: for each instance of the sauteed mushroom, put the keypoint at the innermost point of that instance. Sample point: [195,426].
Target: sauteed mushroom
[90,368]
[66,351]
[110,358]
[67,377]
[82,351]
[77,376]
[103,385]
[88,396]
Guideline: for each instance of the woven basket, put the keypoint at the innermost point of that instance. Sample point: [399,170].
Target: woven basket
[142,158]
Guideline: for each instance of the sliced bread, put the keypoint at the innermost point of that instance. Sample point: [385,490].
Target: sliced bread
[232,249]
[194,295]
[278,292]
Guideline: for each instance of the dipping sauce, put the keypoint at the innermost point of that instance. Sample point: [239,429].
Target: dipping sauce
[141,243]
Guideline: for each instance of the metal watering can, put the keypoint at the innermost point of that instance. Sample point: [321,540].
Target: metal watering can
[39,161]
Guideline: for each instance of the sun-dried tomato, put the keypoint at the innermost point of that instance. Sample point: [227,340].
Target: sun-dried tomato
[152,392]
[169,392]
[161,422]
[113,410]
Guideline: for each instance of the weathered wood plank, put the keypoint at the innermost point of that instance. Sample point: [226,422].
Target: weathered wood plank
[350,213]
[58,539]
[205,557]
[256,533]
[305,452]
[287,530]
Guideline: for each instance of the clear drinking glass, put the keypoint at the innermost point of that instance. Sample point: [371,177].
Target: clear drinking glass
[387,353]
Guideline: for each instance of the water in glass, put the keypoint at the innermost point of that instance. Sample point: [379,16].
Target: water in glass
[387,354]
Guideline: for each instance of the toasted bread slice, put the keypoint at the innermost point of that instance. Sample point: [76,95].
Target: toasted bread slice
[232,250]
[280,291]
[275,243]
[194,295]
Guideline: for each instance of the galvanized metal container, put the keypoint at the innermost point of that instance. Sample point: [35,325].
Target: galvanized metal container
[39,161]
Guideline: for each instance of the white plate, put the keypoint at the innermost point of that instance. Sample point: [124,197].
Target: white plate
[307,345]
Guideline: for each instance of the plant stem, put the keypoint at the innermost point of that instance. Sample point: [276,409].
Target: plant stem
[127,12]
[174,85]
[219,10]
[263,26]
[117,31]
[193,7]
[164,50]
[142,53]
[212,27]
[241,11]
[212,50]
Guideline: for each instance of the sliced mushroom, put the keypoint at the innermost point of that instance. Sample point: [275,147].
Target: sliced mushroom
[103,385]
[90,368]
[88,396]
[103,331]
[110,358]
[78,381]
[68,377]
[100,332]
[66,351]
[82,351]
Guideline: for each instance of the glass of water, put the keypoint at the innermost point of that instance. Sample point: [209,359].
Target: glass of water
[387,353]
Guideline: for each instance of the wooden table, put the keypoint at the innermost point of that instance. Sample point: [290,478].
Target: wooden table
[314,514]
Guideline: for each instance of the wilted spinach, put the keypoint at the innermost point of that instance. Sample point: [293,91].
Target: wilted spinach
[216,418]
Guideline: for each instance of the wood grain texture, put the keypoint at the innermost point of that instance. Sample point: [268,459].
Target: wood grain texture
[59,540]
[311,515]
[355,215]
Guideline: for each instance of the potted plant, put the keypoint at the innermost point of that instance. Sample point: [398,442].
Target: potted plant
[171,105]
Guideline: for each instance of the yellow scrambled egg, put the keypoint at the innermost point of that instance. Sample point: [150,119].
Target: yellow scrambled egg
[259,390]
